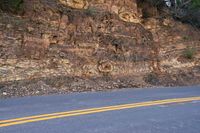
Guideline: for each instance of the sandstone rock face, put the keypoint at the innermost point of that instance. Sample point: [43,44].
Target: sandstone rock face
[126,9]
[90,39]
[95,39]
[78,4]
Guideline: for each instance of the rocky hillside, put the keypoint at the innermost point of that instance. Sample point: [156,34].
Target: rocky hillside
[63,46]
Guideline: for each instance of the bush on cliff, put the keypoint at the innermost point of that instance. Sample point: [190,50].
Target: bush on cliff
[14,6]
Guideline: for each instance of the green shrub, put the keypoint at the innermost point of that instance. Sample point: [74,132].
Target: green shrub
[186,38]
[13,6]
[196,3]
[91,11]
[189,53]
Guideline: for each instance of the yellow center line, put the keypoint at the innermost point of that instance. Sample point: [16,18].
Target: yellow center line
[36,118]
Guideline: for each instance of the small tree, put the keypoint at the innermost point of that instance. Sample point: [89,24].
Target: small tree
[186,10]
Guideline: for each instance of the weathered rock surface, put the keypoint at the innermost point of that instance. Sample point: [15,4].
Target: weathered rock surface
[85,45]
[126,9]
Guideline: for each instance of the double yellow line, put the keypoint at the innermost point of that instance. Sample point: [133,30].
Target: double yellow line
[43,117]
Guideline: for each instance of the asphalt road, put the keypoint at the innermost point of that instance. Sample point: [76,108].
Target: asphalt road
[183,117]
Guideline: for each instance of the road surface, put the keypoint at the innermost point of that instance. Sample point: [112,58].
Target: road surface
[158,110]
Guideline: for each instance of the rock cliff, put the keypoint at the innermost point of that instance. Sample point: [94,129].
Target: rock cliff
[61,46]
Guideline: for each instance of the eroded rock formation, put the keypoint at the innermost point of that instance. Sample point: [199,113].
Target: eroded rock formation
[89,39]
